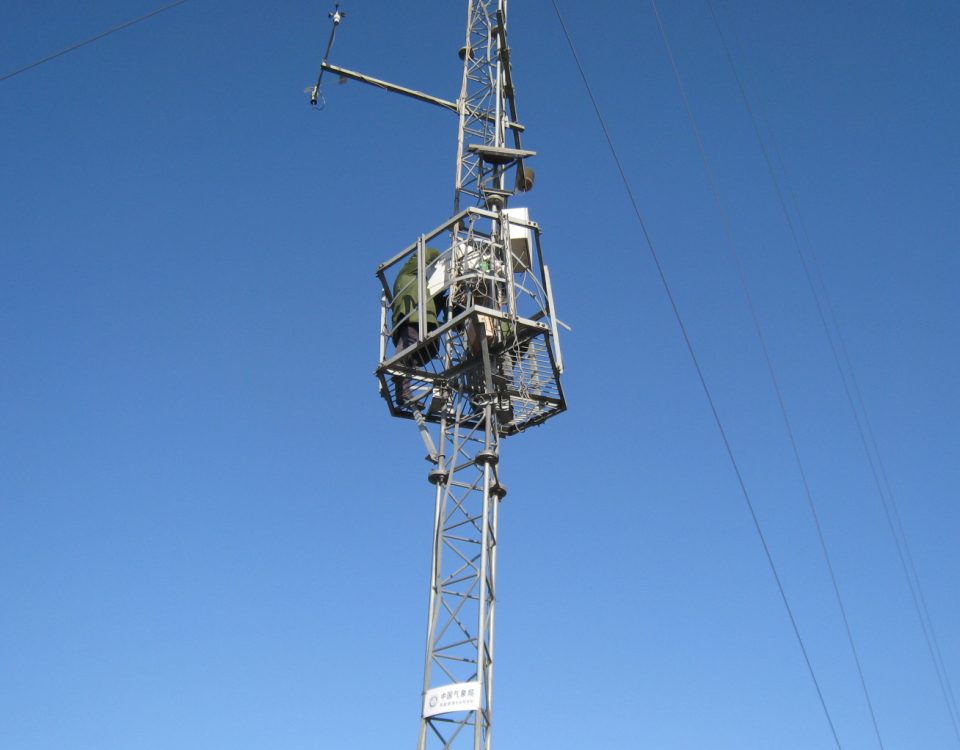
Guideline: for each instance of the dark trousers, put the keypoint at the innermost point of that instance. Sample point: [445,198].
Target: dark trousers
[408,335]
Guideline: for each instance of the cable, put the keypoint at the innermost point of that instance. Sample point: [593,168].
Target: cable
[728,228]
[91,40]
[876,466]
[698,368]
[898,532]
[711,179]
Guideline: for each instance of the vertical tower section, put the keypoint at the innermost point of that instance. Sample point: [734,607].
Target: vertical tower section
[480,98]
[457,707]
[487,108]
[469,350]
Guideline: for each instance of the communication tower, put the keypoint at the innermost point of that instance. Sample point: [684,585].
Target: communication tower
[469,350]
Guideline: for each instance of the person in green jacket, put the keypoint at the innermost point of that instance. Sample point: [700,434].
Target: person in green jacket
[406,317]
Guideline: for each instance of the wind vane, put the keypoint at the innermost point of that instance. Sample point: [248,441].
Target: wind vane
[336,16]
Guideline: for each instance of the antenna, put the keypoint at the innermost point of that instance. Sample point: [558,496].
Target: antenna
[469,348]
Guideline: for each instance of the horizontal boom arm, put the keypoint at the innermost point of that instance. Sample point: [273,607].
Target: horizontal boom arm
[395,89]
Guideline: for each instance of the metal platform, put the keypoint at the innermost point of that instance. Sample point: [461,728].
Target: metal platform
[495,341]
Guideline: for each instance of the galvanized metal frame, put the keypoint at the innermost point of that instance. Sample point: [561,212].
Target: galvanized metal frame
[491,368]
[460,647]
[524,357]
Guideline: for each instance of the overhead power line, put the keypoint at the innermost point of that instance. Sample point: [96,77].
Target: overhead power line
[91,40]
[850,387]
[699,370]
[774,379]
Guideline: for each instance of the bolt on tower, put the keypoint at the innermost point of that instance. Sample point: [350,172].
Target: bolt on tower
[469,351]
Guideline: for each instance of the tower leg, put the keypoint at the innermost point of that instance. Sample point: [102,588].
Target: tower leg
[458,665]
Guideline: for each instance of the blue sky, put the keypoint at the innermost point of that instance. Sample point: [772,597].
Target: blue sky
[213,535]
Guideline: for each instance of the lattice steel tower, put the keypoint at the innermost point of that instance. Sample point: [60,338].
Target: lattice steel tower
[469,351]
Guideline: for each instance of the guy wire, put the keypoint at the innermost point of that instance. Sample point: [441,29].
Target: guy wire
[775,381]
[889,507]
[91,40]
[696,363]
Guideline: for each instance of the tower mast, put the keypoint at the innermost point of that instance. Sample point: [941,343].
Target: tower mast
[469,351]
